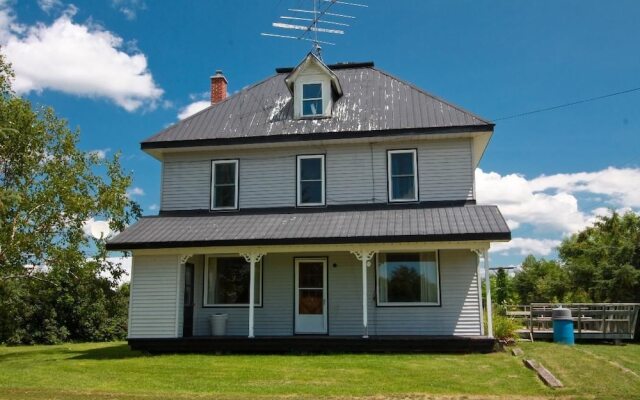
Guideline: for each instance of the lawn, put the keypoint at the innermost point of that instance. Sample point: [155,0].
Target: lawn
[112,371]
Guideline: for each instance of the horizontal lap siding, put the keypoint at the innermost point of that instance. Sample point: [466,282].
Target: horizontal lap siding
[274,318]
[153,296]
[459,311]
[355,174]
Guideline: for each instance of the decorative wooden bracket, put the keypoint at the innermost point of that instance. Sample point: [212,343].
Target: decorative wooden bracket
[364,255]
[184,258]
[253,257]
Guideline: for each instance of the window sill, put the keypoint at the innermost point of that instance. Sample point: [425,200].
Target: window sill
[405,305]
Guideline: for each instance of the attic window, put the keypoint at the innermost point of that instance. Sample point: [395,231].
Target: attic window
[311,99]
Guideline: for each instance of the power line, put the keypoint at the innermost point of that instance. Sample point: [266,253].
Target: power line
[573,103]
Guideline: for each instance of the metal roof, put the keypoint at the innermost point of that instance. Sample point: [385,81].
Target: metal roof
[373,101]
[471,222]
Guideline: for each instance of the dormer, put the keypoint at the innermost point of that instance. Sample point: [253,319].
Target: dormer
[314,88]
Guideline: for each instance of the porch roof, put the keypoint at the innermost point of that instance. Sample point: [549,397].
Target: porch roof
[469,222]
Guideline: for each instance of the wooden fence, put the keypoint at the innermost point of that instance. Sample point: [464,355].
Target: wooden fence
[591,320]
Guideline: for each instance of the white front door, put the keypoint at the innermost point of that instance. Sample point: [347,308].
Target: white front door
[311,295]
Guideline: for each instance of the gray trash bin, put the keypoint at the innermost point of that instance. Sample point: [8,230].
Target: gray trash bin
[218,324]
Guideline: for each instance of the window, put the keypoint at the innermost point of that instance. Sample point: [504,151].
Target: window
[227,282]
[408,279]
[224,185]
[310,180]
[402,176]
[311,99]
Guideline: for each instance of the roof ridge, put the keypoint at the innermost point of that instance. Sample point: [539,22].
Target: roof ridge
[438,98]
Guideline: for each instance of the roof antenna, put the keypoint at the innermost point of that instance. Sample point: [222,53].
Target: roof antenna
[312,28]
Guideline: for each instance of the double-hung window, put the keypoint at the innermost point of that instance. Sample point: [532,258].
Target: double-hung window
[408,279]
[224,185]
[310,177]
[402,175]
[311,99]
[227,282]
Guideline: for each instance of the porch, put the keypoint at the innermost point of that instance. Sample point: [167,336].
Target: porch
[316,344]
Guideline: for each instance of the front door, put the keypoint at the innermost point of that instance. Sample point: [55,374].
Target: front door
[187,323]
[311,295]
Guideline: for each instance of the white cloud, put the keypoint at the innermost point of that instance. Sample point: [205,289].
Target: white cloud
[549,203]
[153,207]
[79,59]
[193,108]
[525,246]
[136,191]
[100,153]
[49,5]
[129,8]
[96,229]
[125,264]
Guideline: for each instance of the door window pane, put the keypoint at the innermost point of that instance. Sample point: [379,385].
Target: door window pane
[311,275]
[228,281]
[408,278]
[310,302]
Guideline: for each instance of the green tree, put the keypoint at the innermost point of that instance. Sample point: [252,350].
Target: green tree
[603,260]
[541,280]
[51,273]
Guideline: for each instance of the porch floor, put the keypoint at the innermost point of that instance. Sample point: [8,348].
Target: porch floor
[316,344]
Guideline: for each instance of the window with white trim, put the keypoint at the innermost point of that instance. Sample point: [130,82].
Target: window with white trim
[312,99]
[311,183]
[402,175]
[224,185]
[408,279]
[227,281]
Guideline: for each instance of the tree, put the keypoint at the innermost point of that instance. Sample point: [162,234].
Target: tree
[49,189]
[52,275]
[603,260]
[541,280]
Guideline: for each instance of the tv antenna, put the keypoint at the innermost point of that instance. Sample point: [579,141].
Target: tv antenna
[308,22]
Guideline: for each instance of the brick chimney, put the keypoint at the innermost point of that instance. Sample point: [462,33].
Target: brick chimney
[218,87]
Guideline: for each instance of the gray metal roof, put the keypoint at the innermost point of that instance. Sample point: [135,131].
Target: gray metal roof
[373,100]
[471,222]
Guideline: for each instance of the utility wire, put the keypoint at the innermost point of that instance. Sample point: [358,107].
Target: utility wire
[566,104]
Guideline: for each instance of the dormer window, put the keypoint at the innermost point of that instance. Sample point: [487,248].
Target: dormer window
[314,88]
[312,99]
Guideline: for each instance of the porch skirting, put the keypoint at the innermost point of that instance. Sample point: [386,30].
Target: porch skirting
[315,344]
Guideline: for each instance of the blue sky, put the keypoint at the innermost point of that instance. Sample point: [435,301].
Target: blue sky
[120,70]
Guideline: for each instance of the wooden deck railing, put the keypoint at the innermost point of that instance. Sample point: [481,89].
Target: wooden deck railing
[591,320]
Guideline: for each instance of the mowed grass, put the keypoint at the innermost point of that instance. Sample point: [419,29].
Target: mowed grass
[112,371]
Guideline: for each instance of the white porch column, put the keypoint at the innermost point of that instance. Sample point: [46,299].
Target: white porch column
[365,257]
[252,259]
[487,282]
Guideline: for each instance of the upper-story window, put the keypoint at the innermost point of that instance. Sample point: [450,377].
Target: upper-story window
[311,182]
[402,175]
[224,185]
[311,99]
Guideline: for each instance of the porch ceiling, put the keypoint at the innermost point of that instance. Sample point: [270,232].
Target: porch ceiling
[464,223]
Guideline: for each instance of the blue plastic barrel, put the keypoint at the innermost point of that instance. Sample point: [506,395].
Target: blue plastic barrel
[562,326]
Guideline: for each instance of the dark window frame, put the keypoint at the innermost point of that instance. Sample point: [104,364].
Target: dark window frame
[205,284]
[212,193]
[323,171]
[408,304]
[416,180]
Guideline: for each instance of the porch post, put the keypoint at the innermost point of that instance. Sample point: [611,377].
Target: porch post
[487,283]
[252,259]
[365,257]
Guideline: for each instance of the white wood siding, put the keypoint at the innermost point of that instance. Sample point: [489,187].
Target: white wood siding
[155,287]
[459,313]
[356,174]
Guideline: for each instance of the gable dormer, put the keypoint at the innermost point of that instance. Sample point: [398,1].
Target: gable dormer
[314,88]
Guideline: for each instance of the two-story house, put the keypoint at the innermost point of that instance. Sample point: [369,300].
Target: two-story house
[325,207]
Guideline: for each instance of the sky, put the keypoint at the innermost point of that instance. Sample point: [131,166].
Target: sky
[121,70]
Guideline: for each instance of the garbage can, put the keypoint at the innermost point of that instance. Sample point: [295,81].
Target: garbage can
[218,324]
[562,326]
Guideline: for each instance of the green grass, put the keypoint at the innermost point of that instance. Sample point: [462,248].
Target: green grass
[112,371]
